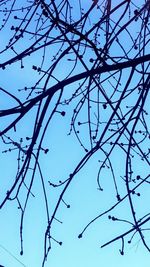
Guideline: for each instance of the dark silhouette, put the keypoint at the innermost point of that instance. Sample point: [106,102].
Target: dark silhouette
[89,65]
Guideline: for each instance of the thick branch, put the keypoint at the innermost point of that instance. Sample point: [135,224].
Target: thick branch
[52,90]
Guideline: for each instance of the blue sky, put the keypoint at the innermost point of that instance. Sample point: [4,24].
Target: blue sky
[83,196]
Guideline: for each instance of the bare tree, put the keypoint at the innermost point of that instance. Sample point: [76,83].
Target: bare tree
[87,61]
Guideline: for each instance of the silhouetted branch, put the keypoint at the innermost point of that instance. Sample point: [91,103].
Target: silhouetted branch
[86,63]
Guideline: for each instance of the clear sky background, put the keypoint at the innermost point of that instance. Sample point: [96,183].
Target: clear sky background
[83,196]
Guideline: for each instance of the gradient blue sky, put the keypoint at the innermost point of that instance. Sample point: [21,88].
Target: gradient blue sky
[85,201]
